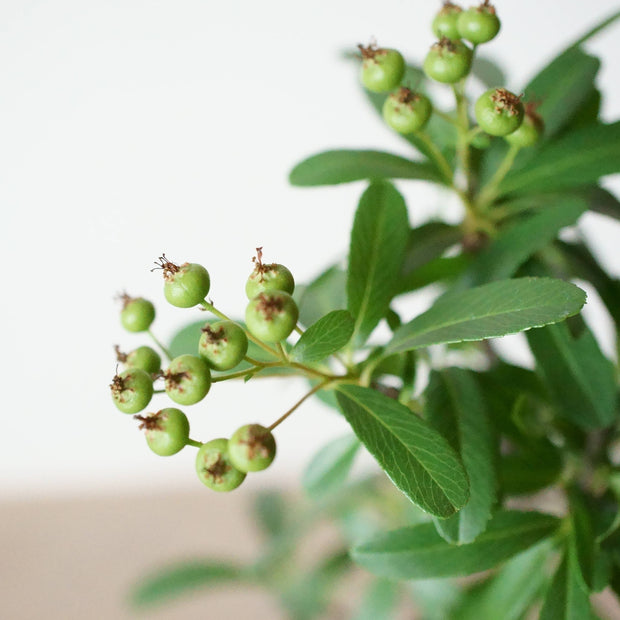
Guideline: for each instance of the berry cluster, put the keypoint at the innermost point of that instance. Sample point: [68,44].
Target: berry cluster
[270,317]
[498,112]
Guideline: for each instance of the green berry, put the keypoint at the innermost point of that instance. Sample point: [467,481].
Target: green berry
[166,431]
[188,379]
[406,111]
[481,141]
[444,24]
[271,316]
[268,277]
[499,112]
[214,468]
[478,24]
[144,357]
[132,390]
[185,285]
[530,130]
[222,345]
[137,313]
[382,69]
[252,448]
[448,61]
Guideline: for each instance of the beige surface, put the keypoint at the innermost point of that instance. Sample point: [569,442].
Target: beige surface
[74,559]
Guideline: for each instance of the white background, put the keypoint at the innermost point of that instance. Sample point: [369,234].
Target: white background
[130,128]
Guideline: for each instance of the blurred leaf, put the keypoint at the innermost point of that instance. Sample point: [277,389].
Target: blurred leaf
[270,512]
[345,166]
[330,467]
[417,459]
[579,158]
[454,407]
[181,579]
[379,601]
[442,270]
[328,335]
[567,597]
[601,201]
[563,87]
[579,377]
[435,598]
[515,245]
[488,311]
[513,589]
[378,241]
[488,71]
[326,293]
[419,552]
[307,597]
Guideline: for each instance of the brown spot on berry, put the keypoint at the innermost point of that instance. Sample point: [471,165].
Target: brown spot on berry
[217,469]
[257,446]
[371,51]
[213,336]
[444,45]
[167,266]
[270,305]
[120,356]
[151,422]
[504,100]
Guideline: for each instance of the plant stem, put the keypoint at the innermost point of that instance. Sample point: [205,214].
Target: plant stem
[193,442]
[314,390]
[489,191]
[299,330]
[163,349]
[462,146]
[445,117]
[282,352]
[438,156]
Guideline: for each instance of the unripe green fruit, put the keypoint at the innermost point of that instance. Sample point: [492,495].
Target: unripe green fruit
[145,358]
[214,468]
[481,141]
[137,314]
[222,345]
[406,111]
[184,285]
[529,132]
[499,112]
[271,316]
[188,379]
[273,277]
[448,61]
[444,24]
[382,69]
[132,390]
[252,448]
[166,432]
[478,24]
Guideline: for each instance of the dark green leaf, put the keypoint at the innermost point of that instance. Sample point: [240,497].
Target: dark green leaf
[562,87]
[512,590]
[440,270]
[326,293]
[345,166]
[601,201]
[567,597]
[579,377]
[514,246]
[378,241]
[417,459]
[379,601]
[583,535]
[178,580]
[579,158]
[419,552]
[329,334]
[454,406]
[491,310]
[330,467]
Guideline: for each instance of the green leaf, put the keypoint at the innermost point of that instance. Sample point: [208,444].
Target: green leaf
[178,580]
[329,334]
[512,590]
[345,166]
[488,71]
[330,467]
[601,201]
[454,406]
[419,552]
[326,293]
[562,87]
[417,459]
[567,597]
[379,601]
[491,310]
[270,512]
[579,158]
[579,377]
[514,246]
[378,241]
[583,535]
